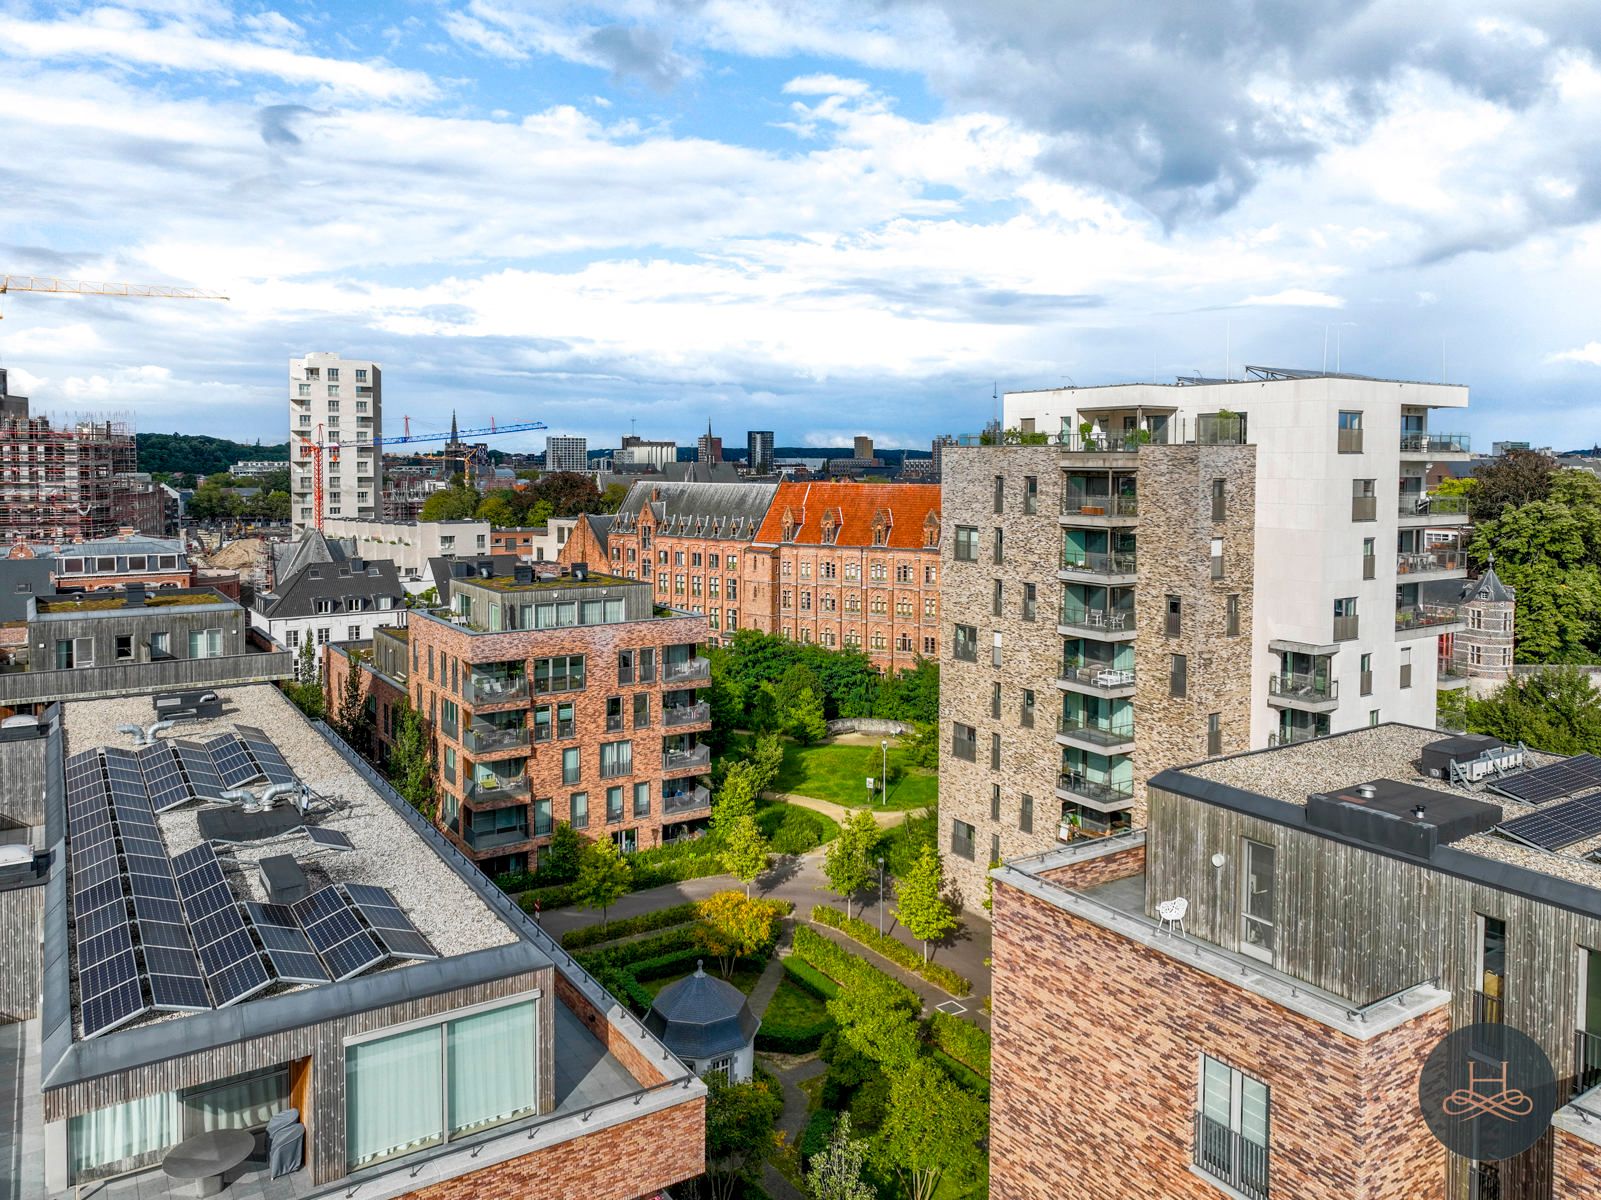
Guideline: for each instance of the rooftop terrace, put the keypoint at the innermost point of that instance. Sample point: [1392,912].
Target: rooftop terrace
[122,603]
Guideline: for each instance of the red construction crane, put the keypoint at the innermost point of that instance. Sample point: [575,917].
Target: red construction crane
[314,450]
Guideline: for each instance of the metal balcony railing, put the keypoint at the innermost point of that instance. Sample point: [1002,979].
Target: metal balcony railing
[1094,789]
[504,788]
[1231,1157]
[1101,676]
[494,839]
[697,756]
[1079,616]
[1303,687]
[1435,443]
[1082,563]
[494,689]
[686,800]
[1100,506]
[1294,734]
[1103,731]
[1586,1060]
[1423,616]
[1430,560]
[1418,505]
[488,739]
[686,714]
[689,668]
[1488,1009]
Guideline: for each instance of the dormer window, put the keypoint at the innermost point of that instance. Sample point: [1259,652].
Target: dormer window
[881,527]
[789,525]
[931,530]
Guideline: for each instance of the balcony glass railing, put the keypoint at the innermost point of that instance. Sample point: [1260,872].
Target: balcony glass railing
[501,787]
[1294,734]
[1303,687]
[1100,506]
[1420,505]
[497,688]
[686,714]
[1103,676]
[688,668]
[1430,560]
[1435,443]
[493,839]
[686,800]
[1081,563]
[1423,616]
[692,757]
[488,739]
[1081,617]
[1095,789]
[1103,731]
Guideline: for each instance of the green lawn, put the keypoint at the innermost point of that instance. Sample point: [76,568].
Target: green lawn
[791,1005]
[831,771]
[792,829]
[744,978]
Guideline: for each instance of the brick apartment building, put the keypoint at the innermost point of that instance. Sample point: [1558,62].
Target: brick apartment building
[1344,911]
[551,698]
[841,565]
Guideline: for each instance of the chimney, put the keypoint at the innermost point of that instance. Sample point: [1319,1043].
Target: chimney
[580,571]
[134,595]
[522,573]
[126,532]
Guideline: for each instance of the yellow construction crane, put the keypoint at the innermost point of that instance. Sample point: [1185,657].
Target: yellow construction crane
[87,287]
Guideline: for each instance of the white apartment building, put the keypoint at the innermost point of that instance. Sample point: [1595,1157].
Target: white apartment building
[1229,565]
[638,451]
[566,453]
[410,544]
[337,402]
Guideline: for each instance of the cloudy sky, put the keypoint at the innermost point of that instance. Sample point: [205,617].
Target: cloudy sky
[824,217]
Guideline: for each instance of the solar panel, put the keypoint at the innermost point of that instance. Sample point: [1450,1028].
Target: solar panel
[329,839]
[87,925]
[232,965]
[164,933]
[104,946]
[1559,825]
[393,927]
[266,754]
[331,926]
[198,769]
[164,783]
[233,762]
[178,993]
[1552,782]
[288,949]
[116,1007]
[156,909]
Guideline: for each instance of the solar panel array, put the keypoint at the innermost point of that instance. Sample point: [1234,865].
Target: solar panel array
[1559,825]
[336,934]
[234,967]
[266,754]
[286,943]
[392,927]
[1580,773]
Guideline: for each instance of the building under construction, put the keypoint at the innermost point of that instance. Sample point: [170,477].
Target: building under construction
[60,484]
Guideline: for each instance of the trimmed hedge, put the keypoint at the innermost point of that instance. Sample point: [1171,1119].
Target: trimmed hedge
[792,829]
[655,867]
[960,1074]
[814,1138]
[962,1040]
[810,979]
[557,895]
[792,1039]
[681,937]
[896,951]
[850,972]
[594,935]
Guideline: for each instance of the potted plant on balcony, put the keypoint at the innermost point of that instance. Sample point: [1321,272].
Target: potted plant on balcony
[1069,828]
[1086,433]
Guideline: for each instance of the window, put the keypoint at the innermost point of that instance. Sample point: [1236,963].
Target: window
[1000,545]
[207,643]
[616,758]
[564,673]
[542,821]
[1231,615]
[1369,559]
[161,643]
[1491,969]
[1217,558]
[1350,436]
[1000,493]
[1214,734]
[995,802]
[578,810]
[965,645]
[1175,614]
[1178,677]
[124,647]
[1366,681]
[1219,500]
[995,649]
[962,839]
[642,800]
[1030,601]
[995,847]
[566,726]
[1031,495]
[964,741]
[930,647]
[570,765]
[1231,1129]
[1025,814]
[995,752]
[641,710]
[966,546]
[361,374]
[1026,716]
[1364,500]
[1406,666]
[614,805]
[625,667]
[450,764]
[410,1090]
[1373,716]
[1345,623]
[995,700]
[996,603]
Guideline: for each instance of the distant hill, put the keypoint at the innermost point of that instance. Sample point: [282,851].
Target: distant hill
[197,454]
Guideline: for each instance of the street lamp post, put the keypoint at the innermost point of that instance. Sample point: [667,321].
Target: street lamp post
[883,767]
[881,897]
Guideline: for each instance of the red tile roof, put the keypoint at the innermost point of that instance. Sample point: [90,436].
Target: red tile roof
[853,508]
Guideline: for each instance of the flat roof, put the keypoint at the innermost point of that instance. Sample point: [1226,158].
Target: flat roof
[109,601]
[1338,764]
[510,583]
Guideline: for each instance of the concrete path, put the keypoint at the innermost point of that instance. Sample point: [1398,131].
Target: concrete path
[886,817]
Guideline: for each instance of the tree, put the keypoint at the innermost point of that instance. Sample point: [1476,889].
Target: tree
[921,905]
[305,690]
[732,926]
[933,1129]
[836,1171]
[495,509]
[568,493]
[768,759]
[611,499]
[602,877]
[352,721]
[1555,710]
[411,760]
[736,799]
[805,719]
[452,504]
[745,853]
[561,858]
[848,861]
[740,1121]
[1517,478]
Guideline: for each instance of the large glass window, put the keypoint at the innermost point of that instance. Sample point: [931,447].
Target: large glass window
[1256,909]
[490,1059]
[1231,1129]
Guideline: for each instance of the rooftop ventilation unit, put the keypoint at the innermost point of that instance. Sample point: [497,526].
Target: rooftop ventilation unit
[1470,758]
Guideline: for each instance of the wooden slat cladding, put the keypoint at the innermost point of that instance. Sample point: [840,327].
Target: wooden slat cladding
[21,913]
[323,1044]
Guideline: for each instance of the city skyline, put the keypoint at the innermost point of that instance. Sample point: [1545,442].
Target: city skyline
[851,227]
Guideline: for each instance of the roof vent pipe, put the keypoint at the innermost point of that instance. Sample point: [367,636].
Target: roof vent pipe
[1366,791]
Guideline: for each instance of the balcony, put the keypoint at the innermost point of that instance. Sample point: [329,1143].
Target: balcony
[1108,625]
[494,839]
[1096,679]
[1450,677]
[686,800]
[1075,785]
[696,758]
[1431,564]
[1230,1157]
[484,739]
[1294,735]
[687,670]
[1099,510]
[1431,444]
[1423,620]
[490,690]
[1112,568]
[489,791]
[1488,1009]
[1100,735]
[1586,1060]
[1308,693]
[687,714]
[1417,509]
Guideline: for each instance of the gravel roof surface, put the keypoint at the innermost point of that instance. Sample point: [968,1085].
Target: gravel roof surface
[388,853]
[1291,773]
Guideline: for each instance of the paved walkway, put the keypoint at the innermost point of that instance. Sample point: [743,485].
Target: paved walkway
[886,817]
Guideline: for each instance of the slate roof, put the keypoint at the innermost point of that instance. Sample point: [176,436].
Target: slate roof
[1486,589]
[600,525]
[727,511]
[853,508]
[700,1016]
[135,544]
[288,558]
[341,581]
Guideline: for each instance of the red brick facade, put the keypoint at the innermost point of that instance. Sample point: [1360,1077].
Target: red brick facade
[1577,1173]
[645,1072]
[1113,1032]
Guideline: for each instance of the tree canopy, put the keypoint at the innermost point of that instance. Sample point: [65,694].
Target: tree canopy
[848,861]
[198,454]
[757,678]
[1514,479]
[921,904]
[1555,710]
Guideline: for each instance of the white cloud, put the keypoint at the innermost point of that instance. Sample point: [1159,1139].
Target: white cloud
[1589,354]
[1295,298]
[825,85]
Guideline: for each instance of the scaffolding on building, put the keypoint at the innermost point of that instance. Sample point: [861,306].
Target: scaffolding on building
[61,484]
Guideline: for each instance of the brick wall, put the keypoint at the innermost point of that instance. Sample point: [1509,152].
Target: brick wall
[1091,872]
[626,1161]
[1113,1033]
[1577,1174]
[618,1046]
[829,595]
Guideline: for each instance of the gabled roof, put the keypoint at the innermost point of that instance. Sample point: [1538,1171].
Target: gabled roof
[289,558]
[905,510]
[337,581]
[727,511]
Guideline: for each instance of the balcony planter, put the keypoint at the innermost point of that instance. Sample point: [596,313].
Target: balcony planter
[1092,510]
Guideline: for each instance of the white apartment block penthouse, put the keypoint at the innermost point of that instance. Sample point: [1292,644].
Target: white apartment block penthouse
[1228,565]
[337,403]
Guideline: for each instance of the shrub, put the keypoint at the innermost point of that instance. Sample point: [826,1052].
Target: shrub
[868,1105]
[810,979]
[960,1075]
[814,1138]
[678,914]
[791,829]
[558,895]
[795,1021]
[850,972]
[681,937]
[896,951]
[962,1040]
